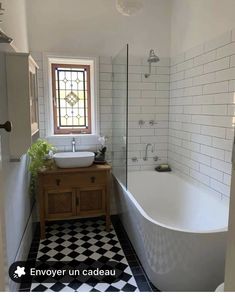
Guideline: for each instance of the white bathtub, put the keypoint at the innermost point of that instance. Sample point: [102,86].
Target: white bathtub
[177,230]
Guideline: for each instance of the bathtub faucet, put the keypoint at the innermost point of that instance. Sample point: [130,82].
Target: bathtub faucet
[146,151]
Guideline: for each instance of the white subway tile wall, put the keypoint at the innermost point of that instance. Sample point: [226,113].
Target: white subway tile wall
[201,113]
[148,101]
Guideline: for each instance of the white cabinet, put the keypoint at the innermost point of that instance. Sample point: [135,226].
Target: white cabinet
[22,94]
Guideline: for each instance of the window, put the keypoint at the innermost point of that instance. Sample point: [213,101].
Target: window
[71,91]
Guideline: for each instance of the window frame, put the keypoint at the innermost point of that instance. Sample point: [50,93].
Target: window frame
[45,92]
[64,131]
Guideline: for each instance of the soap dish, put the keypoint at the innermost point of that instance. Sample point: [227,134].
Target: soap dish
[160,169]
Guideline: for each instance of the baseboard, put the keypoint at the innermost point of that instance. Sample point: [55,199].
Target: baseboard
[24,247]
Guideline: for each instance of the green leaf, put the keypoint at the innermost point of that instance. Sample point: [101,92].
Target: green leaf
[37,153]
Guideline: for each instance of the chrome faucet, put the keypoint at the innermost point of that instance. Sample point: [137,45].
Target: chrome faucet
[146,151]
[73,145]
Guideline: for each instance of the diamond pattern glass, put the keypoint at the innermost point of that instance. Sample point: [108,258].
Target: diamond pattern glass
[71,98]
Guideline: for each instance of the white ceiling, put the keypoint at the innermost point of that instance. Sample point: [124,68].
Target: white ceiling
[94,27]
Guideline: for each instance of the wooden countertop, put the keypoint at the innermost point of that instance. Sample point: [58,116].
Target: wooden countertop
[92,168]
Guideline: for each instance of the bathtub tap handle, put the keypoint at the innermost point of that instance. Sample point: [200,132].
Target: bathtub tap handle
[141,123]
[152,122]
[156,158]
[134,159]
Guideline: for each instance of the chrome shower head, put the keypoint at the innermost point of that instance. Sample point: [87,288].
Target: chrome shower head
[153,58]
[4,38]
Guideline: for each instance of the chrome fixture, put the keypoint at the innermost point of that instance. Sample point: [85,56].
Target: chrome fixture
[153,58]
[156,158]
[146,151]
[141,122]
[73,145]
[152,122]
[134,159]
[129,7]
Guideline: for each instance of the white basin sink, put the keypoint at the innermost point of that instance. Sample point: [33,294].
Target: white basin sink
[74,159]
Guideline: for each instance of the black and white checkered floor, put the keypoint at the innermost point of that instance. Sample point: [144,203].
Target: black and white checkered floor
[87,240]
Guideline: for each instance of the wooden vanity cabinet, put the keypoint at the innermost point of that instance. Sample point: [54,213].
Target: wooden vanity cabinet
[74,193]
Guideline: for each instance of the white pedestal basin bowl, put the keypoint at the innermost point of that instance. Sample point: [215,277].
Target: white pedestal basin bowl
[74,159]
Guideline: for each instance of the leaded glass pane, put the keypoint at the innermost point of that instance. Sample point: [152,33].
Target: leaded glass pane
[71,97]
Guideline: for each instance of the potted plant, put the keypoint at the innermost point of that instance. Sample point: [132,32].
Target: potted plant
[40,153]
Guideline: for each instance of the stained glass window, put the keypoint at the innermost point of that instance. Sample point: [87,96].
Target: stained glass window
[71,98]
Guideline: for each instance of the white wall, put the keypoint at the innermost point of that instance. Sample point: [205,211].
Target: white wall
[195,21]
[211,65]
[202,113]
[96,28]
[14,23]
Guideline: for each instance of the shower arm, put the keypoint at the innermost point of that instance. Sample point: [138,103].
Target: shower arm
[148,74]
[150,68]
[153,58]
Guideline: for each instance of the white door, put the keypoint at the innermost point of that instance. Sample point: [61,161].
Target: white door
[3,264]
[4,157]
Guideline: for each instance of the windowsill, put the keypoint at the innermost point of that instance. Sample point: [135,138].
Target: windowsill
[64,136]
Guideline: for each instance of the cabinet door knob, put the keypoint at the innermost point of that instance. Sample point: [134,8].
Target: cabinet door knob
[93,179]
[57,181]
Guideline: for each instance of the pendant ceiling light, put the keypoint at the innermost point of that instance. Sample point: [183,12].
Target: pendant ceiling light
[129,7]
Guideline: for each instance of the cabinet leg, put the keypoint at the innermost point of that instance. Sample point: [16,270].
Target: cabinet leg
[108,222]
[42,230]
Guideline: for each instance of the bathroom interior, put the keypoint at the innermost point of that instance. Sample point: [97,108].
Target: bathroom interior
[130,106]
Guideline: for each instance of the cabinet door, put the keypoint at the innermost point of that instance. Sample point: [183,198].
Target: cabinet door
[60,204]
[91,201]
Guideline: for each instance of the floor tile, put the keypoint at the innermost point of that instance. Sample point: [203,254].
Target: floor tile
[87,241]
[84,240]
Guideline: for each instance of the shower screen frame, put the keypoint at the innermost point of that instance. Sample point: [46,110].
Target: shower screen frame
[120,95]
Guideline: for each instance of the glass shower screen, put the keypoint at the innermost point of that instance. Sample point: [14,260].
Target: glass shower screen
[120,115]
